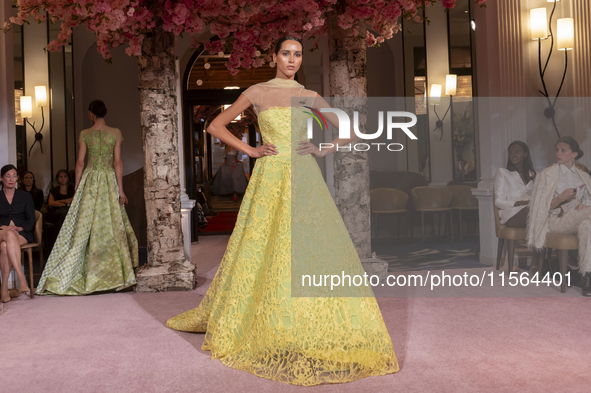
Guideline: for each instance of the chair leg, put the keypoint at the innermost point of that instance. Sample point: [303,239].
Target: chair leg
[399,226]
[32,285]
[510,253]
[562,263]
[535,263]
[461,229]
[423,224]
[41,261]
[500,252]
[548,257]
[41,257]
[451,224]
[436,230]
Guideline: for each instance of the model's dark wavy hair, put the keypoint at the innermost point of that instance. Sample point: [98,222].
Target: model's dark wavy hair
[5,170]
[34,186]
[529,172]
[286,38]
[573,144]
[98,108]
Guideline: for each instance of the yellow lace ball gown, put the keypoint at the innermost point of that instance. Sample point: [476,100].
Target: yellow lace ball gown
[250,319]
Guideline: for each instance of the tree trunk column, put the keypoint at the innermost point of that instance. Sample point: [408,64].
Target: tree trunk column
[348,80]
[167,269]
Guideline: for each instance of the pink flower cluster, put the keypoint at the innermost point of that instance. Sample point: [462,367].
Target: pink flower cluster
[245,28]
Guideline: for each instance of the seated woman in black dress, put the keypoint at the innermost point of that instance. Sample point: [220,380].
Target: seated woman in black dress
[60,199]
[17,221]
[28,185]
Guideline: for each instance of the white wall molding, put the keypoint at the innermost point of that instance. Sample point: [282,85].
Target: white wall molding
[581,56]
[7,122]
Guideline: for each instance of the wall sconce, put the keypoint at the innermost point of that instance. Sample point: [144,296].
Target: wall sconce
[451,82]
[566,33]
[27,111]
[435,99]
[26,107]
[435,96]
[541,28]
[538,23]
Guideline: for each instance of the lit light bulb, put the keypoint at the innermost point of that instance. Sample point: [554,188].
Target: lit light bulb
[26,106]
[41,95]
[435,95]
[538,24]
[199,82]
[450,85]
[565,33]
[207,66]
[257,53]
[221,54]
[272,64]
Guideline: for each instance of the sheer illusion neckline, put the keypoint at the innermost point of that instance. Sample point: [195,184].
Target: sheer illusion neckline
[284,82]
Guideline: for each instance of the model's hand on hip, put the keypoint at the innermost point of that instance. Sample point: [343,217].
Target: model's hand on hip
[306,147]
[264,150]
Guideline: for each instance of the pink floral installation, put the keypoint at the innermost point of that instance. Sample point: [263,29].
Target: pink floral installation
[245,28]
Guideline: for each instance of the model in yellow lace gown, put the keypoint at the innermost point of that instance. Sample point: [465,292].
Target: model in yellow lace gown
[250,319]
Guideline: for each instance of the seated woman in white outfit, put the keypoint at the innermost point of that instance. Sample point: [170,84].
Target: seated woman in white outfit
[561,203]
[514,185]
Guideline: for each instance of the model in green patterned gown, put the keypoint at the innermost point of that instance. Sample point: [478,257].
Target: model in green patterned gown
[96,249]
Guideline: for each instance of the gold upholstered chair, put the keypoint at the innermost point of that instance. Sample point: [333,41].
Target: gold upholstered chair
[388,201]
[508,234]
[433,200]
[29,247]
[562,243]
[463,201]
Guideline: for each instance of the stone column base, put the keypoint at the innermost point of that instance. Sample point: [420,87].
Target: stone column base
[171,276]
[375,266]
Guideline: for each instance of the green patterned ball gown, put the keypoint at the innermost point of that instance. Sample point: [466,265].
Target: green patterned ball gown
[96,249]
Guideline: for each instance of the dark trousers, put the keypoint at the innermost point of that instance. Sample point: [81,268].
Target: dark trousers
[519,220]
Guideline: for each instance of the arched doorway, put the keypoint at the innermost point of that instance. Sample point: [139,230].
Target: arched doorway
[208,87]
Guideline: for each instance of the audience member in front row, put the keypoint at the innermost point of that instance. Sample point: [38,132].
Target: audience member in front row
[60,199]
[17,221]
[28,185]
[561,203]
[514,185]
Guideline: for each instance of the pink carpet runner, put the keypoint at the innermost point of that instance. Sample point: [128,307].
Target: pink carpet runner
[119,343]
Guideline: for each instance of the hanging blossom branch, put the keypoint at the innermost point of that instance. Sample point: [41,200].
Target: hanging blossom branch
[245,28]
